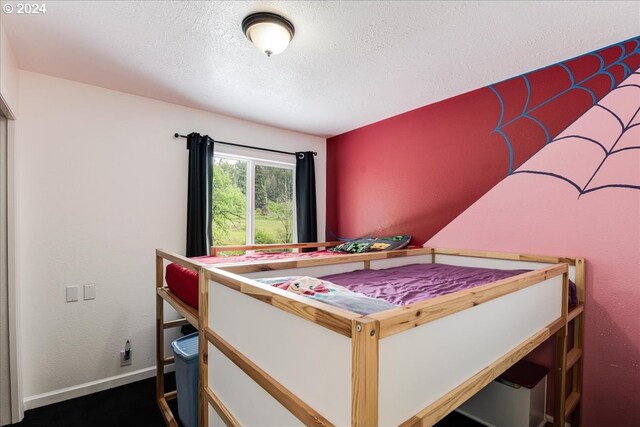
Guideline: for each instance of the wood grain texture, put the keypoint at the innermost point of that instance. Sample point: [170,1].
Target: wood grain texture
[224,413]
[578,343]
[179,259]
[573,356]
[450,401]
[560,377]
[364,373]
[166,413]
[505,255]
[580,278]
[307,415]
[188,312]
[571,403]
[322,314]
[159,332]
[400,319]
[203,348]
[576,311]
[175,323]
[576,369]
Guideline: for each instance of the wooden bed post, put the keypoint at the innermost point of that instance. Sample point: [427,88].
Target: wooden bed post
[578,341]
[161,396]
[159,331]
[203,348]
[561,359]
[365,335]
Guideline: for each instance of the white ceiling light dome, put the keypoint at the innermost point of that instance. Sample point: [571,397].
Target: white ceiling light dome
[269,32]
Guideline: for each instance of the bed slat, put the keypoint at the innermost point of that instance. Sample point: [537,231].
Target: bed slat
[189,313]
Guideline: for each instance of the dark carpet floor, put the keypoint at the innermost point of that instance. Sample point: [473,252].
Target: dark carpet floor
[129,405]
[132,405]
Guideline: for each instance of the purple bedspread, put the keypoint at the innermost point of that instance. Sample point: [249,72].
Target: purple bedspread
[418,282]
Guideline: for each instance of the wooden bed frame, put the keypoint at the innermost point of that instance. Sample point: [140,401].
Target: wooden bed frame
[404,366]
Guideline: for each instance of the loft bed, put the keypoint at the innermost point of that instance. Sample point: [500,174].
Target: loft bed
[271,357]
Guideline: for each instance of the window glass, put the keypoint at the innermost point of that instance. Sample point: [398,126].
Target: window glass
[229,202]
[274,208]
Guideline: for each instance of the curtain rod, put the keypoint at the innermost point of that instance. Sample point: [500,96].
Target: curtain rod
[177,135]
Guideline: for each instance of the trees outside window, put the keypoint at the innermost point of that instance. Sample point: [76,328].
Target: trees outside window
[253,202]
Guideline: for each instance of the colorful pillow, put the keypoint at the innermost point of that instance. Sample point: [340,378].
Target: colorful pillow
[373,244]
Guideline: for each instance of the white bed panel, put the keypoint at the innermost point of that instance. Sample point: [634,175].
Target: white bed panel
[420,365]
[316,271]
[245,399]
[310,360]
[396,262]
[502,264]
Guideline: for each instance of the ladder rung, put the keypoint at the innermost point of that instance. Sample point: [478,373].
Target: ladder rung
[571,403]
[169,360]
[578,309]
[573,356]
[171,395]
[175,323]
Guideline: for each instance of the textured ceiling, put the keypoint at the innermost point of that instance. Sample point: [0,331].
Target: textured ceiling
[350,63]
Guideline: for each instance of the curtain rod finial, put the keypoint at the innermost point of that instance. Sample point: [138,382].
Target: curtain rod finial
[176,135]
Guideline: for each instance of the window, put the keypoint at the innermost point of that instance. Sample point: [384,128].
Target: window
[253,201]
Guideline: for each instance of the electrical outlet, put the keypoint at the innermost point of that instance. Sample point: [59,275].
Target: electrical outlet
[89,291]
[123,360]
[72,293]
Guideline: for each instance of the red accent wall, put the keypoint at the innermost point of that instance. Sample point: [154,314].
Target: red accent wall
[415,172]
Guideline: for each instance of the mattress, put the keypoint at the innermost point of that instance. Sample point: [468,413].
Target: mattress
[183,283]
[411,283]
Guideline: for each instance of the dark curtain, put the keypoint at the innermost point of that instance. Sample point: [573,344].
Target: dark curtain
[306,197]
[199,200]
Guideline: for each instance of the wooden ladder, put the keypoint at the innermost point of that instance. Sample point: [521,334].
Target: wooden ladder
[570,359]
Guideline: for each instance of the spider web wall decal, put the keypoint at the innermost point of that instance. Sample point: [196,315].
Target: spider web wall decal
[611,162]
[614,69]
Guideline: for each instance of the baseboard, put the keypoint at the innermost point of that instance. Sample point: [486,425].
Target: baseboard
[549,419]
[79,390]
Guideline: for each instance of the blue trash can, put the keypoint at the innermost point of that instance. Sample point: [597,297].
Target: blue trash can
[185,351]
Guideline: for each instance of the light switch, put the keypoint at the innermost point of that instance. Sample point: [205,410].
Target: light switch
[72,293]
[89,291]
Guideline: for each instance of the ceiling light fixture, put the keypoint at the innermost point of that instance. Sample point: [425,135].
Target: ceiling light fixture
[269,32]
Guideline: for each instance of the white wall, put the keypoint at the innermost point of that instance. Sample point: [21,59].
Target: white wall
[9,74]
[102,183]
